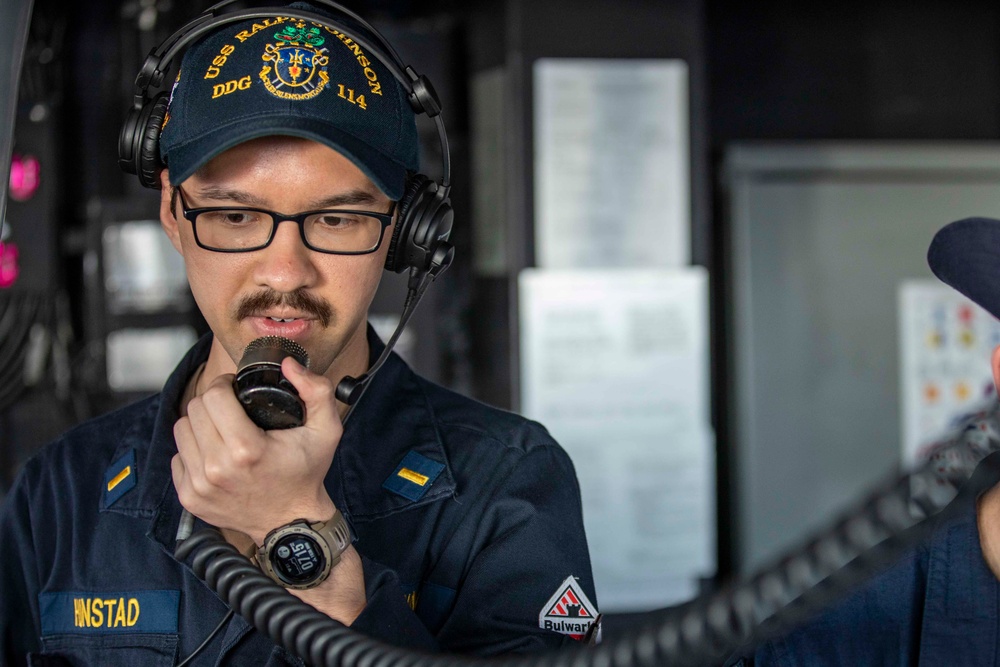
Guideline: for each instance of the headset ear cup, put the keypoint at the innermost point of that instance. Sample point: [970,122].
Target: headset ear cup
[148,162]
[395,259]
[127,141]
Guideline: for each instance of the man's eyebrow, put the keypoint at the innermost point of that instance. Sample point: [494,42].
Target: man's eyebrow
[349,198]
[352,198]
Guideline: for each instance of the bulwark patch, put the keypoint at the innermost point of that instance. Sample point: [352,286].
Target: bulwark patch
[568,611]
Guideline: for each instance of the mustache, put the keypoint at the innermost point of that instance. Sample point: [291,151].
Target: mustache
[253,305]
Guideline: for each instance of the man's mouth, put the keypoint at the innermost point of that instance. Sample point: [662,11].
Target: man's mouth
[288,327]
[293,307]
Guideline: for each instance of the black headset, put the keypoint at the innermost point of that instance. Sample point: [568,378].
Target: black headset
[420,239]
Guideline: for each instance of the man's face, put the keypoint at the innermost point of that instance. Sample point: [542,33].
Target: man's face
[322,299]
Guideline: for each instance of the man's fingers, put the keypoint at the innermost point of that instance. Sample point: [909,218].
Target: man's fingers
[227,416]
[178,471]
[187,444]
[191,457]
[316,391]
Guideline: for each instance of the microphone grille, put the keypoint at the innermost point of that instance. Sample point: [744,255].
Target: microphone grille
[289,347]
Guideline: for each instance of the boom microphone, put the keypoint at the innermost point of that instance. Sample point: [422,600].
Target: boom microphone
[268,397]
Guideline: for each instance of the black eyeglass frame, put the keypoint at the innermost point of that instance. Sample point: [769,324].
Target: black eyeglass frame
[277,218]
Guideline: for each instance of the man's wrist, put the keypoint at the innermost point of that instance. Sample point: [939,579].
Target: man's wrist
[301,554]
[321,510]
[342,595]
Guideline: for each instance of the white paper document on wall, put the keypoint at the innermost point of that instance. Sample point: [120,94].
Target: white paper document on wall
[945,346]
[612,165]
[615,364]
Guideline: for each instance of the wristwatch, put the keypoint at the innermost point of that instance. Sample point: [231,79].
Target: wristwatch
[301,554]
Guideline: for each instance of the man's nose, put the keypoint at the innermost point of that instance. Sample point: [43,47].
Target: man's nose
[286,264]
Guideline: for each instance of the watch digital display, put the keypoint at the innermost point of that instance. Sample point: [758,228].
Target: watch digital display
[297,559]
[301,554]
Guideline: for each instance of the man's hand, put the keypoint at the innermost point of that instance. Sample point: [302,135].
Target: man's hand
[232,474]
[988,520]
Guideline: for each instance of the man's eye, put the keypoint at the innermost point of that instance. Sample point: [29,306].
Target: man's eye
[232,218]
[337,221]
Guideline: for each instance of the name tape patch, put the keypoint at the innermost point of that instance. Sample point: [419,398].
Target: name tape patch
[109,613]
[119,478]
[413,476]
[568,611]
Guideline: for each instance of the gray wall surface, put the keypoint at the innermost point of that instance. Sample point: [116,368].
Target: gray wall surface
[14,16]
[822,236]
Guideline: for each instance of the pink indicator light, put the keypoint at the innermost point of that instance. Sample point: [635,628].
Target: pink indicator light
[25,173]
[9,269]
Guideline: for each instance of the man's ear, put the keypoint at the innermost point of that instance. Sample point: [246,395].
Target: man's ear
[167,218]
[995,366]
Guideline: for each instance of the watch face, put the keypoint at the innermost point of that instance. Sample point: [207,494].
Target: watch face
[297,559]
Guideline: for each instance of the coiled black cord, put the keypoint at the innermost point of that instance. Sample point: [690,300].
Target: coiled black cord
[703,632]
[288,621]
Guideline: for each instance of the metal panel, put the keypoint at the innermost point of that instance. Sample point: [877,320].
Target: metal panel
[14,19]
[822,235]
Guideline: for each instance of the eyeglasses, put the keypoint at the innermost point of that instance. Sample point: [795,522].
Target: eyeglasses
[334,231]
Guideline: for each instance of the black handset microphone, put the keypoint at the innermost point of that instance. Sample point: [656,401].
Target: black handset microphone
[268,397]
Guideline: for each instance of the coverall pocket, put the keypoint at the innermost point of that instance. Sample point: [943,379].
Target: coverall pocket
[120,650]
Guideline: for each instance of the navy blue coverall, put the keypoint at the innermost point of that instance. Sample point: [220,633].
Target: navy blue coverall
[461,556]
[936,607]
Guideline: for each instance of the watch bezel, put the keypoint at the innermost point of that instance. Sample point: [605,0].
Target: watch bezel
[320,532]
[299,528]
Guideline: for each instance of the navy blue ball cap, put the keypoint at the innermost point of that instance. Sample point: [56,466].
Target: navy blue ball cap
[966,255]
[286,76]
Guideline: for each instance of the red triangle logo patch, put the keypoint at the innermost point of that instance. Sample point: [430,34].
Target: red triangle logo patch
[568,611]
[568,605]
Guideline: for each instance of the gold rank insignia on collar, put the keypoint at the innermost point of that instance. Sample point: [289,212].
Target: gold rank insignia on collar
[413,476]
[119,478]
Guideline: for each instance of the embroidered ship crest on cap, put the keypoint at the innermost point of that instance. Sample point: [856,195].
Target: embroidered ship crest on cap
[297,69]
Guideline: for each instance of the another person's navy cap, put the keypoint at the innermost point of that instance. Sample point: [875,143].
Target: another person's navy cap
[286,76]
[966,255]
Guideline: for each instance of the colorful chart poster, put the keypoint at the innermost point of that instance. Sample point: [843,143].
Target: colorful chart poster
[945,346]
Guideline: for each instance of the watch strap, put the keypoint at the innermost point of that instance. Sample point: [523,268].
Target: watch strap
[336,533]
